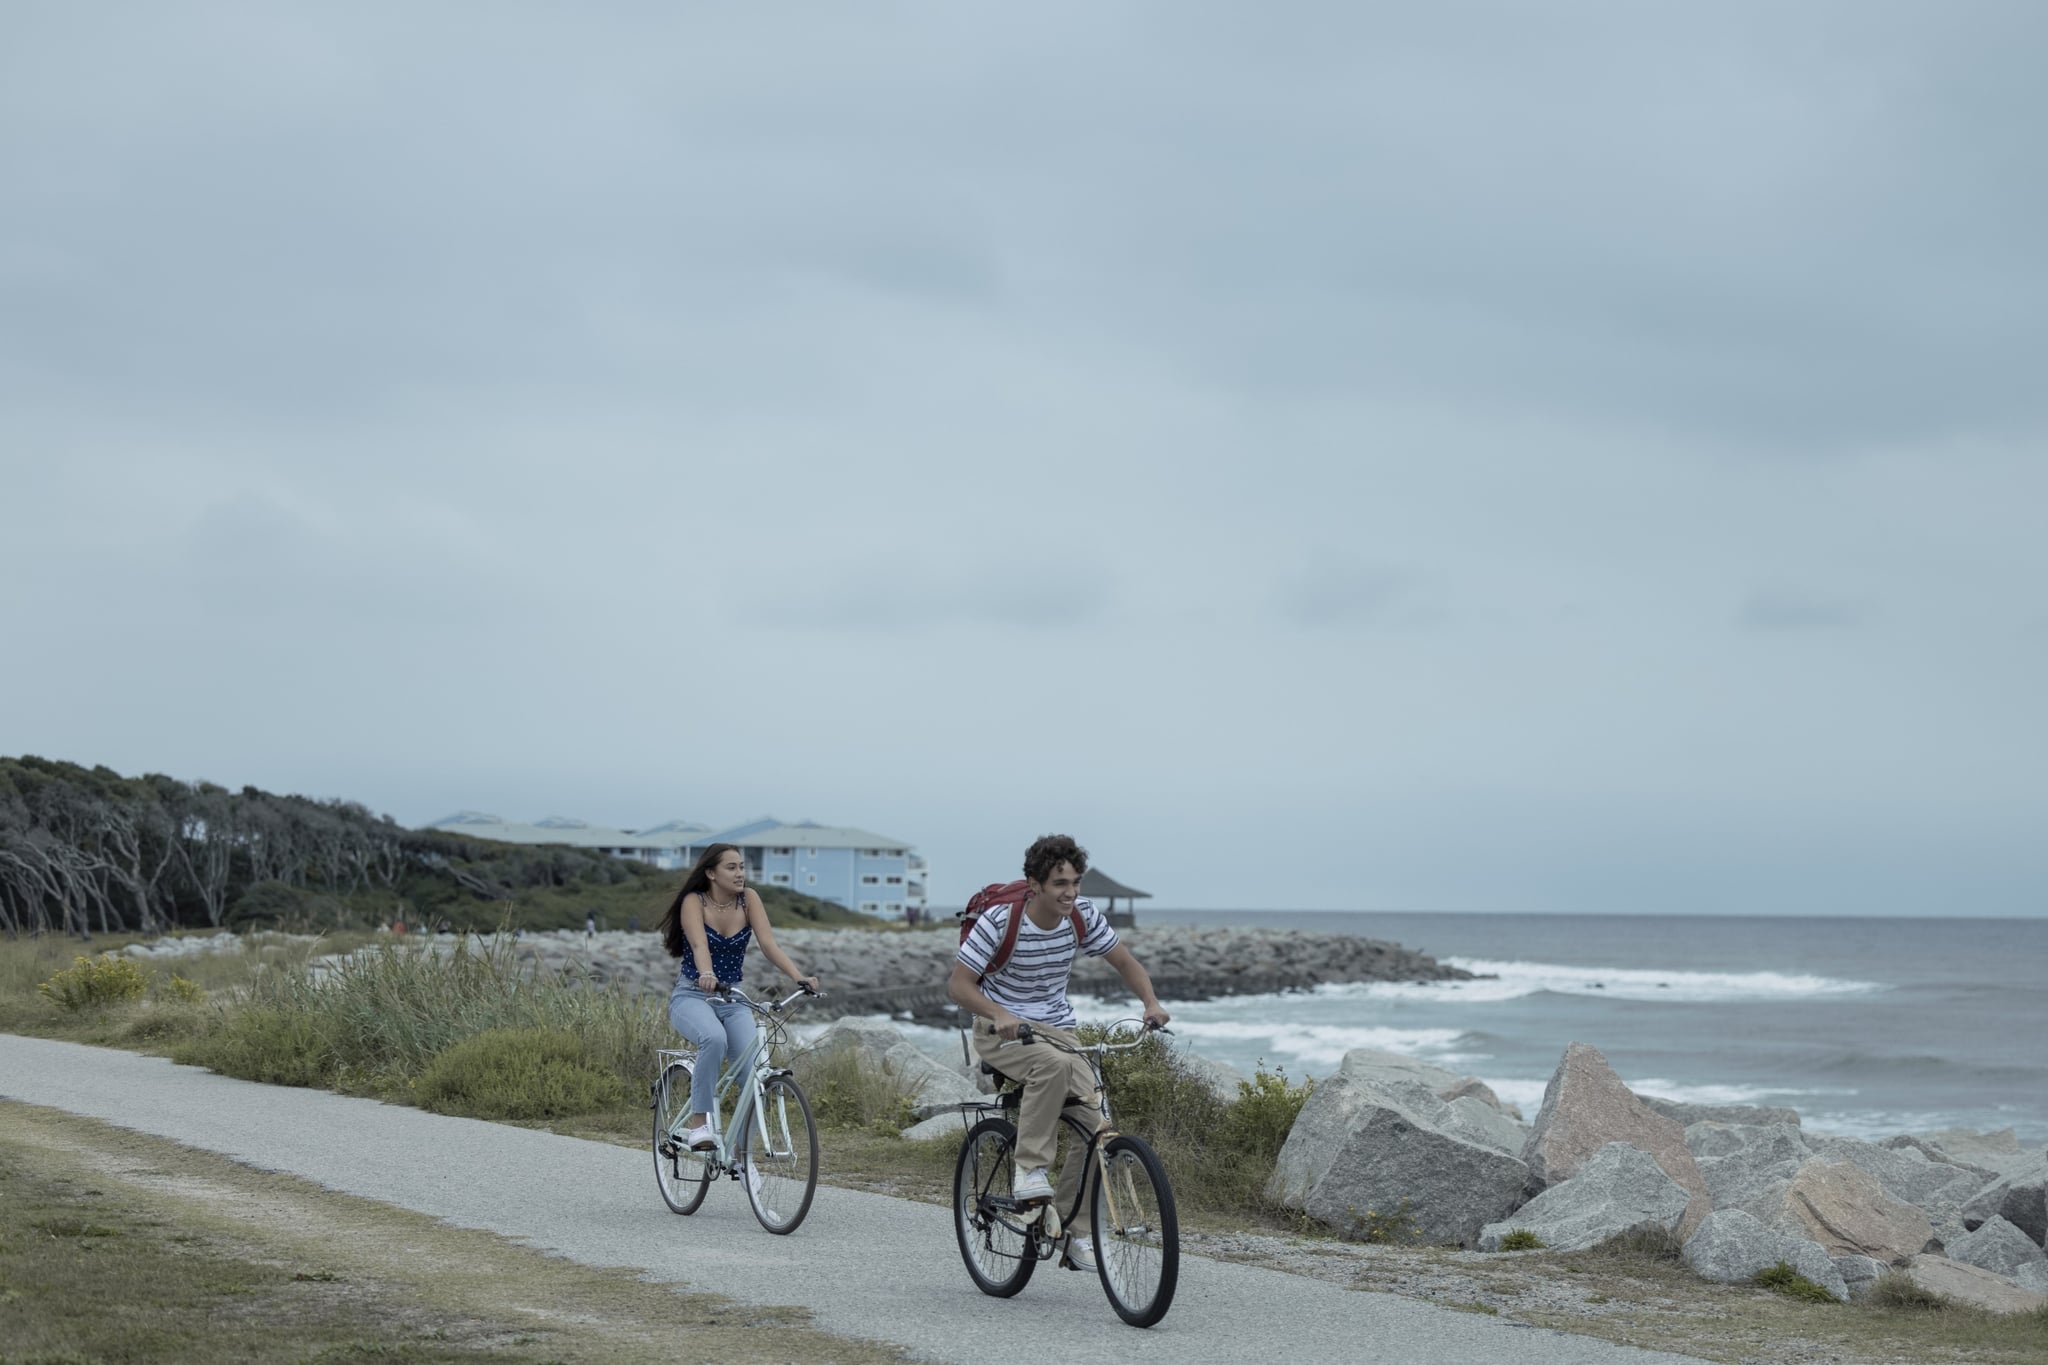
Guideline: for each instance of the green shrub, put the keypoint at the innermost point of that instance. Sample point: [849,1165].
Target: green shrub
[277,905]
[1218,1152]
[167,1022]
[1521,1239]
[518,1074]
[93,982]
[1783,1279]
[268,1044]
[1256,1124]
[1388,1227]
[1649,1243]
[1896,1290]
[179,991]
[845,1094]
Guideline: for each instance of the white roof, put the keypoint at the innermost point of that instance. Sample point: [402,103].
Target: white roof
[812,836]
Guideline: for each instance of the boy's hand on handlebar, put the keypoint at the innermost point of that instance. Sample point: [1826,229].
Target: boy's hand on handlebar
[1156,1017]
[1007,1025]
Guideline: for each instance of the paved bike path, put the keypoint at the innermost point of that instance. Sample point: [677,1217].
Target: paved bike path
[865,1265]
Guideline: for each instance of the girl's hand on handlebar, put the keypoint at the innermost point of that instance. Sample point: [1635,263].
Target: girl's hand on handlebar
[707,982]
[809,983]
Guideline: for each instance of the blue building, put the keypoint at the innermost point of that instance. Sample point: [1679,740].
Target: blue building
[871,873]
[853,868]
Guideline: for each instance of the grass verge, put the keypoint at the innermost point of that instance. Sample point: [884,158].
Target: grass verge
[120,1248]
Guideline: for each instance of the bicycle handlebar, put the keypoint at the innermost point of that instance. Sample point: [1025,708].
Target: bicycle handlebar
[733,992]
[1025,1036]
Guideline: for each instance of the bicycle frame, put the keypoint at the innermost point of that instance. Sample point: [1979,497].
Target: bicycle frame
[1090,1155]
[754,1065]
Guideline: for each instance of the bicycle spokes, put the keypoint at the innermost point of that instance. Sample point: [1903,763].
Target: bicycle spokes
[1137,1234]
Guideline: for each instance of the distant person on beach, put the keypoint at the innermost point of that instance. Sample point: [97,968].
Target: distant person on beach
[590,924]
[708,927]
[1031,985]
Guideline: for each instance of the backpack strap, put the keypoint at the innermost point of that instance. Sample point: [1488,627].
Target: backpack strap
[1009,943]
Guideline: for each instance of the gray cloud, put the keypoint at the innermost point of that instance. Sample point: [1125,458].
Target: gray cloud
[1343,421]
[1773,609]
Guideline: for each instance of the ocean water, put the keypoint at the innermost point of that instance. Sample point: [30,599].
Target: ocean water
[1867,1027]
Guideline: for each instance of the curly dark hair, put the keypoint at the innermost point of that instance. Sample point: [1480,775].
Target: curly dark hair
[1047,852]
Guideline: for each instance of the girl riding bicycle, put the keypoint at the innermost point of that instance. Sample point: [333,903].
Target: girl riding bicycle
[708,927]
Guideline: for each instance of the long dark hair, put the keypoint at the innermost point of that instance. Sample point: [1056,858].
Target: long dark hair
[698,882]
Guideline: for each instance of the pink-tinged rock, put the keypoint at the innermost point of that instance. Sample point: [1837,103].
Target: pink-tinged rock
[1847,1212]
[1585,1107]
[1968,1284]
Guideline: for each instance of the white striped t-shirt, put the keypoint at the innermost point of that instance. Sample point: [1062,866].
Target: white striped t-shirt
[1032,984]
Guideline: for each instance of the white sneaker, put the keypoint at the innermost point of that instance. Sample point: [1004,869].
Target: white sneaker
[1032,1184]
[700,1139]
[1077,1252]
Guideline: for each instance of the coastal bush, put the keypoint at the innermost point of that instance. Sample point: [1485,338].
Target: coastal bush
[1649,1243]
[517,1073]
[165,1022]
[1382,1227]
[1257,1122]
[1219,1152]
[1896,1290]
[1521,1239]
[846,1095]
[95,982]
[278,905]
[376,1020]
[1783,1279]
[264,1043]
[179,991]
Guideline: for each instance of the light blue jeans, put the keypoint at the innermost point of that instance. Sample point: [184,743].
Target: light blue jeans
[722,1029]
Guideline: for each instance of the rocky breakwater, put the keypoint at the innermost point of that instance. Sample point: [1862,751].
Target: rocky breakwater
[901,974]
[1388,1148]
[906,973]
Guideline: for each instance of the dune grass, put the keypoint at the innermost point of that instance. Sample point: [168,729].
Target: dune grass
[377,1022]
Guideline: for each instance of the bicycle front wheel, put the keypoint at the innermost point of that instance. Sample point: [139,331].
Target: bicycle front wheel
[999,1256]
[781,1174]
[1137,1232]
[683,1175]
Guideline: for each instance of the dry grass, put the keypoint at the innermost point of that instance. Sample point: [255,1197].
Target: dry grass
[120,1248]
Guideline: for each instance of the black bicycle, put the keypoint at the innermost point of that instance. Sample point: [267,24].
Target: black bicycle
[1136,1232]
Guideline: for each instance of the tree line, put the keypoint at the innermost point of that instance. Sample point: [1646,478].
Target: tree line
[86,850]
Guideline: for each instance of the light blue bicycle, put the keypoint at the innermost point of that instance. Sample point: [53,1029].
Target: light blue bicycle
[772,1146]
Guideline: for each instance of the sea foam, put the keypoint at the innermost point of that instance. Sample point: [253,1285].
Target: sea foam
[1513,980]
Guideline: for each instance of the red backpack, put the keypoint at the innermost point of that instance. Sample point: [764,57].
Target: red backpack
[1013,894]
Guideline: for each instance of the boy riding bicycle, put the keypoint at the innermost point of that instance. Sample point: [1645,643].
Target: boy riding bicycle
[1052,922]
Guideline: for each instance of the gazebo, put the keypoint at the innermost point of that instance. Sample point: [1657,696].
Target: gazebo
[1099,886]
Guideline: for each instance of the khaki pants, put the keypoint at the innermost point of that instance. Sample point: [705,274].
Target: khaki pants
[1049,1077]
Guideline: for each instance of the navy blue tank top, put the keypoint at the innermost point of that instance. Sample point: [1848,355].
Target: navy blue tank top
[728,955]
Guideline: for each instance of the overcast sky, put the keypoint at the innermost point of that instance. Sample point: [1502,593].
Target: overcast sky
[1506,457]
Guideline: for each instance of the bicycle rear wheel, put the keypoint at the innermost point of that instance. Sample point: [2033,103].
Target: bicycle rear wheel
[1137,1232]
[999,1258]
[782,1175]
[683,1175]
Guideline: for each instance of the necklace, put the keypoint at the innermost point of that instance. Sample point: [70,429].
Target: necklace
[719,905]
